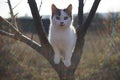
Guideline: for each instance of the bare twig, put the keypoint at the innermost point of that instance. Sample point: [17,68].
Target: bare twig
[6,33]
[40,6]
[17,4]
[12,15]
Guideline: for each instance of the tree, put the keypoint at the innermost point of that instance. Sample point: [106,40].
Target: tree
[45,49]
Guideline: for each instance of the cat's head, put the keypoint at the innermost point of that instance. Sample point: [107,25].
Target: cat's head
[61,17]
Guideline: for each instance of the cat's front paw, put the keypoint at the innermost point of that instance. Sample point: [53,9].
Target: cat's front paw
[67,63]
[56,60]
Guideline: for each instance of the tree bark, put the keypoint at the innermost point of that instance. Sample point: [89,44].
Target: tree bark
[80,12]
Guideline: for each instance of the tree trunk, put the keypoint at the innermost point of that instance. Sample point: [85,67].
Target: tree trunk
[67,76]
[45,49]
[64,73]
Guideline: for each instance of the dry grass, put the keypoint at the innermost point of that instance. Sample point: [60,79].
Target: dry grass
[99,61]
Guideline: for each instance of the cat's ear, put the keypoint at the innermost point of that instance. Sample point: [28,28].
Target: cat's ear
[54,8]
[69,8]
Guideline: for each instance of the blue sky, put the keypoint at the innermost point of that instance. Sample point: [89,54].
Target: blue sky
[23,8]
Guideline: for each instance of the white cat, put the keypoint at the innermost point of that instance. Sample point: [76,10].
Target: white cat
[62,35]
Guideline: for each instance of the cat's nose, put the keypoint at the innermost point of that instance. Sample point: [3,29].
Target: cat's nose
[61,23]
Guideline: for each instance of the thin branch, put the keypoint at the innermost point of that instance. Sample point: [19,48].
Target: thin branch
[6,33]
[17,4]
[10,8]
[12,15]
[40,6]
[2,20]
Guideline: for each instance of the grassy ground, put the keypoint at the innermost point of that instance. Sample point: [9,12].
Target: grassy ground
[100,60]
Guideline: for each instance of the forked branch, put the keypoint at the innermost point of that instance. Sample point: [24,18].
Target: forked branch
[64,73]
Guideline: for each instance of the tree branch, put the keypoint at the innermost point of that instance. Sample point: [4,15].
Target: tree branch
[47,48]
[19,36]
[39,25]
[11,26]
[6,33]
[91,14]
[80,12]
[81,31]
[84,27]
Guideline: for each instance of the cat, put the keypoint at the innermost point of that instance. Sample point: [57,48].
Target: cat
[62,35]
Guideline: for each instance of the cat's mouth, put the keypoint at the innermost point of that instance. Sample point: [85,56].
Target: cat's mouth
[62,25]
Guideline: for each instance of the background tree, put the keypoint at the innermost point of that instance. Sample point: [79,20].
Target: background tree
[45,49]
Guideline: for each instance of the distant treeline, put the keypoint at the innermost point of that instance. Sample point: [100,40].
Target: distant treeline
[100,21]
[27,24]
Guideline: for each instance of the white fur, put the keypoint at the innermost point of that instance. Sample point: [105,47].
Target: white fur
[62,39]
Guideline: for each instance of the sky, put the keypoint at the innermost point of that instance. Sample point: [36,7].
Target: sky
[23,9]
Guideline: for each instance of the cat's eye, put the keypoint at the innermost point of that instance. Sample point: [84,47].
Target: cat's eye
[57,17]
[65,18]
